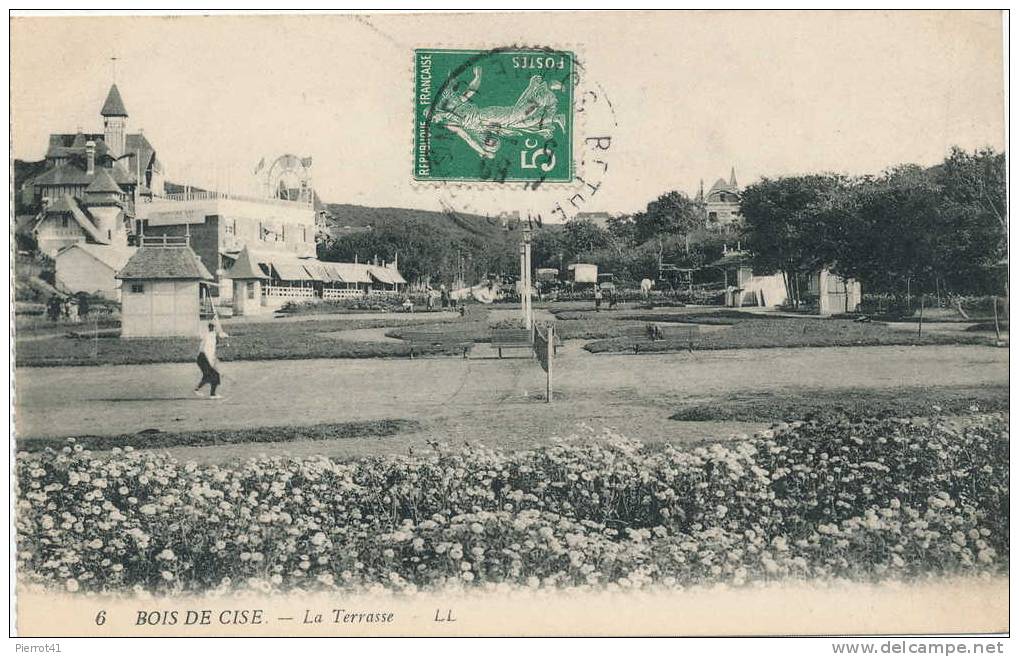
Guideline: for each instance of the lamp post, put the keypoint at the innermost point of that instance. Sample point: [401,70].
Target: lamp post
[525,278]
[523,268]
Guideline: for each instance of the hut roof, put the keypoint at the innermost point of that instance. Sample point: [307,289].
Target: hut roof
[246,267]
[165,263]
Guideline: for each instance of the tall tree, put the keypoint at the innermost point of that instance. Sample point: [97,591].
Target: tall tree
[673,213]
[788,225]
[583,236]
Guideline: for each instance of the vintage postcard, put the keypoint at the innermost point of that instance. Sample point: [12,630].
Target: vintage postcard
[645,323]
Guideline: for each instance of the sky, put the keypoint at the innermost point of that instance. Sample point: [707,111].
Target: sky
[692,94]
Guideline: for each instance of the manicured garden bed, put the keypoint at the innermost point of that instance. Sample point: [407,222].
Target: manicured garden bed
[856,403]
[832,500]
[167,439]
[751,331]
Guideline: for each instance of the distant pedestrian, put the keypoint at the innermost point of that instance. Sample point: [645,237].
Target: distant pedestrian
[597,298]
[408,305]
[83,307]
[612,299]
[72,311]
[444,296]
[430,301]
[208,363]
[53,308]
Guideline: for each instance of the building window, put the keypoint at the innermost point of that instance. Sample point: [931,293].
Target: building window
[251,289]
[63,221]
[137,288]
[712,216]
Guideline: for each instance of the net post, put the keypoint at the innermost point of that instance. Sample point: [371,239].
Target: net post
[548,359]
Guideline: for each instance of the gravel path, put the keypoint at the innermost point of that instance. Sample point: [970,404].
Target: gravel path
[482,399]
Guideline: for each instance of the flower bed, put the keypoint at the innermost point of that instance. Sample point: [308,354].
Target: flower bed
[817,500]
[207,437]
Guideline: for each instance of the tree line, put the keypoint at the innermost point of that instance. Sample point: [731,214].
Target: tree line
[908,230]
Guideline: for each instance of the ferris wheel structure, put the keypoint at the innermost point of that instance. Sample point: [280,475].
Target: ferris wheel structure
[287,177]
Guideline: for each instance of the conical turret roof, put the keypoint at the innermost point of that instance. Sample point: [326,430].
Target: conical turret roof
[114,105]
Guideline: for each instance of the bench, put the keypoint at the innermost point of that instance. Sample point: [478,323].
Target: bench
[423,340]
[656,332]
[511,339]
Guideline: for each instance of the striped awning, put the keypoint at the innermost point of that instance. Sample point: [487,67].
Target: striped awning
[350,272]
[291,271]
[386,275]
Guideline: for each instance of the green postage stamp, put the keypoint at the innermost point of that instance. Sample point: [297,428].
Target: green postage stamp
[503,115]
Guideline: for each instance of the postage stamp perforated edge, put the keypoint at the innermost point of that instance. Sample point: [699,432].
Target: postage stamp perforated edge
[579,123]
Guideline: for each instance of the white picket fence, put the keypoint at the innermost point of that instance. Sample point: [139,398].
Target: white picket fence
[341,293]
[289,292]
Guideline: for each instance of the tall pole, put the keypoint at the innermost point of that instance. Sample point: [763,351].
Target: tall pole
[529,316]
[523,267]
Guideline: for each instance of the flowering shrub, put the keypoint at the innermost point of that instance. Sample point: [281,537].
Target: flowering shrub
[862,500]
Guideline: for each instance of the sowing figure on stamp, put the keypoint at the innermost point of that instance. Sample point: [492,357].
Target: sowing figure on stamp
[481,127]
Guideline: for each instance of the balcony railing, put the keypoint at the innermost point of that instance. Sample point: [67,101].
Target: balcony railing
[214,195]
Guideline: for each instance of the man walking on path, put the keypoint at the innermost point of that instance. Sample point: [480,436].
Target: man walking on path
[597,298]
[208,363]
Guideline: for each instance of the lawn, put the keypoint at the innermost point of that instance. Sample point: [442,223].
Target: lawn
[615,332]
[167,439]
[248,341]
[610,331]
[854,403]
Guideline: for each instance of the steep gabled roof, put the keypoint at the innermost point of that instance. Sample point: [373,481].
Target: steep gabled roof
[114,105]
[103,183]
[73,143]
[71,173]
[165,263]
[64,174]
[137,143]
[721,186]
[114,257]
[67,204]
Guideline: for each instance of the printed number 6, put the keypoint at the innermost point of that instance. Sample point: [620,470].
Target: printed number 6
[534,155]
[101,617]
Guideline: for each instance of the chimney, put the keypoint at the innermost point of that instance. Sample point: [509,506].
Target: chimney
[90,157]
